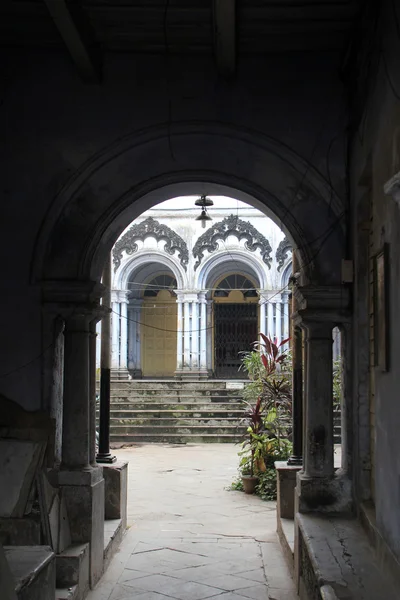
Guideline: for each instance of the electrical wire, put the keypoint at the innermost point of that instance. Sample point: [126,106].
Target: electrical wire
[27,364]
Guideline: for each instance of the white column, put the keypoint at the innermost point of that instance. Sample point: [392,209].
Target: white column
[179,347]
[286,312]
[271,328]
[195,335]
[131,338]
[209,335]
[203,333]
[138,341]
[278,321]
[98,344]
[115,335]
[186,336]
[262,315]
[124,335]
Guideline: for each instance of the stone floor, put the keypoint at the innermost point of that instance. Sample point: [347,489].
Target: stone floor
[189,537]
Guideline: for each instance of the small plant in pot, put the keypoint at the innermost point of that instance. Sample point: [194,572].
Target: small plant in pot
[267,420]
[253,446]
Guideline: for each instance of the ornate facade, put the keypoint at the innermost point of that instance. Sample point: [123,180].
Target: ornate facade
[187,302]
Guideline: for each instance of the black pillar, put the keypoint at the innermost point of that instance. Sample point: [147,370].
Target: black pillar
[104,455]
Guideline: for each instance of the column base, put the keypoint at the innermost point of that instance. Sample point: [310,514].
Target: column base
[120,374]
[106,459]
[295,461]
[83,492]
[330,495]
[135,373]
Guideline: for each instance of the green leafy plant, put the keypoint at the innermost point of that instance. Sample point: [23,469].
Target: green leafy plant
[267,415]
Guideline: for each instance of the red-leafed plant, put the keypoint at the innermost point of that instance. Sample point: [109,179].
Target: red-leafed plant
[268,406]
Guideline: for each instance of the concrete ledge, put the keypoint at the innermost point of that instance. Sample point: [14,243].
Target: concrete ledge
[285,530]
[337,562]
[113,534]
[116,491]
[73,570]
[286,483]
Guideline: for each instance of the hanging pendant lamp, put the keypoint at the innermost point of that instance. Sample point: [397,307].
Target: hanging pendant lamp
[204,202]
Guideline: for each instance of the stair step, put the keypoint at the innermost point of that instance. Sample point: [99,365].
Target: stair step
[174,438]
[178,429]
[176,422]
[173,416]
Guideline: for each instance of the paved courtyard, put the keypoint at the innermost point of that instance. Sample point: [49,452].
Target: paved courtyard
[190,538]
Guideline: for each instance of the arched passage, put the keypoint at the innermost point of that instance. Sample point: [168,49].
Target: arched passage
[138,171]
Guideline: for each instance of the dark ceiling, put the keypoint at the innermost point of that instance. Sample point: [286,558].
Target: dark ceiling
[184,26]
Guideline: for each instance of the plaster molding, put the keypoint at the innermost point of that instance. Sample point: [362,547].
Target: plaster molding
[282,251]
[150,228]
[146,256]
[232,225]
[392,188]
[322,304]
[248,264]
[322,297]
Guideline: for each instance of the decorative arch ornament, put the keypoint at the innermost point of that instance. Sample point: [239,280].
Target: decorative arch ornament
[150,228]
[232,225]
[282,251]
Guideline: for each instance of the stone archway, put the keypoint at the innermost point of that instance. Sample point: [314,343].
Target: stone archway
[137,172]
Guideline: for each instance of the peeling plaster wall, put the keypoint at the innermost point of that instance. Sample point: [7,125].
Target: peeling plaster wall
[375,158]
[52,124]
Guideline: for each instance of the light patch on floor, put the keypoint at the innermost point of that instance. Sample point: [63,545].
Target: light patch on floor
[190,538]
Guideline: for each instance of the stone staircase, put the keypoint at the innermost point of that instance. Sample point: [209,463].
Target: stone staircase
[175,411]
[170,411]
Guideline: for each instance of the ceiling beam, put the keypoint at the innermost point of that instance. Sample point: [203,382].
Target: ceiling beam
[74,28]
[224,24]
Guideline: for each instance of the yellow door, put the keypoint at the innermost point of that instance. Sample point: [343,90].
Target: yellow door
[159,339]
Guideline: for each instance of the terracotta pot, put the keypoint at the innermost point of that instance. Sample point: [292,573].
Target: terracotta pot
[249,483]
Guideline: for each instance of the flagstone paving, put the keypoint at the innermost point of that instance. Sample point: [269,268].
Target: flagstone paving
[189,538]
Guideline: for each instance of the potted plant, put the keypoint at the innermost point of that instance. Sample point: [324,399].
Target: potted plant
[267,419]
[253,445]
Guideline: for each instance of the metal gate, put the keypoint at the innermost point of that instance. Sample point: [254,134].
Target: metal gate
[235,331]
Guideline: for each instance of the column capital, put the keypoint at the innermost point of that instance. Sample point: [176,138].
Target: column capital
[190,295]
[77,317]
[119,296]
[322,304]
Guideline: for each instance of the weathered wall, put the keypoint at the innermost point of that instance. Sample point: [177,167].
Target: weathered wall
[52,125]
[375,158]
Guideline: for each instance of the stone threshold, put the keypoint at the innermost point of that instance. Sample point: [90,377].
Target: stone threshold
[338,562]
[113,534]
[285,530]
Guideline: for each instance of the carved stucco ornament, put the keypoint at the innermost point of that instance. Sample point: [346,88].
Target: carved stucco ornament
[282,251]
[151,228]
[232,225]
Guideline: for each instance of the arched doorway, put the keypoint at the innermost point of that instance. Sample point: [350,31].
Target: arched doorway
[159,321]
[235,323]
